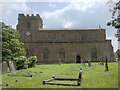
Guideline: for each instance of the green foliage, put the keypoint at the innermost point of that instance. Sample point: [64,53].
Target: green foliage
[11,47]
[32,61]
[21,63]
[115,22]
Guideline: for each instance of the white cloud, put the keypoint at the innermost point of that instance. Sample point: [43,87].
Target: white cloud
[72,6]
[114,41]
[67,24]
[8,8]
[69,13]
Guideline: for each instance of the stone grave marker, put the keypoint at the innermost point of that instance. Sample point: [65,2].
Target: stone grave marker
[11,66]
[89,63]
[4,67]
[106,65]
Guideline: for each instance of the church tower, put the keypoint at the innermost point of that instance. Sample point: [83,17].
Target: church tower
[27,25]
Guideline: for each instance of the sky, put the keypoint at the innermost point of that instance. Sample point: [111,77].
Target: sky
[62,14]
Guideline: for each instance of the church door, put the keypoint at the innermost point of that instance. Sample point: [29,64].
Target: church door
[78,59]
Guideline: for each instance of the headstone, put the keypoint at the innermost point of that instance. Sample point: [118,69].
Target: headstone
[80,67]
[89,63]
[80,77]
[106,65]
[11,66]
[4,68]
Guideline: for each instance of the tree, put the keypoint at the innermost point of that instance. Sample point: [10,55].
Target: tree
[11,47]
[115,22]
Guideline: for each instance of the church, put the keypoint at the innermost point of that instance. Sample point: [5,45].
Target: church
[70,45]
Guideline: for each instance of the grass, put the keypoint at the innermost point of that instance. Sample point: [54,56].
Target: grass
[93,77]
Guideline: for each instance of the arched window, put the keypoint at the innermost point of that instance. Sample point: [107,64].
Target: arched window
[28,25]
[45,54]
[62,54]
[94,53]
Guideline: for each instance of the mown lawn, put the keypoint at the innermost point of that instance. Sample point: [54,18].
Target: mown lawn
[93,77]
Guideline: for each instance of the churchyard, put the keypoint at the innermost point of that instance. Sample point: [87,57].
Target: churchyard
[92,77]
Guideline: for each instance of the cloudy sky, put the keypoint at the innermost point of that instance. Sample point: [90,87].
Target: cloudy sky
[62,14]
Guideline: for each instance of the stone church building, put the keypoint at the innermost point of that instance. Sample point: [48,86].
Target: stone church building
[65,44]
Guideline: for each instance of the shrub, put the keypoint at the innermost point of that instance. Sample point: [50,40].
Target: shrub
[32,61]
[21,63]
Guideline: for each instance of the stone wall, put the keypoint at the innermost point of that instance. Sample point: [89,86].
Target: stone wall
[83,49]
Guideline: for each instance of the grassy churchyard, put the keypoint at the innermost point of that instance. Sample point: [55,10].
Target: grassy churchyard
[93,77]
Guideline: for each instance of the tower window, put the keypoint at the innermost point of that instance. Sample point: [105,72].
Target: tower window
[62,54]
[62,36]
[76,36]
[49,36]
[94,53]
[28,25]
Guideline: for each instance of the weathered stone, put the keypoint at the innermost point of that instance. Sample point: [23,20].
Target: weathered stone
[11,66]
[4,67]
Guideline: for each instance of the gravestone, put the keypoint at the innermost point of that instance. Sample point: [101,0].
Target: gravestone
[4,67]
[106,65]
[11,66]
[80,77]
[89,63]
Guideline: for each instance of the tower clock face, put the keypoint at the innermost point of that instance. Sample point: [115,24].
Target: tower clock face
[27,33]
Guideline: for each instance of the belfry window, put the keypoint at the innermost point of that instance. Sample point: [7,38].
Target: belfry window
[94,53]
[45,54]
[76,36]
[62,54]
[62,36]
[49,36]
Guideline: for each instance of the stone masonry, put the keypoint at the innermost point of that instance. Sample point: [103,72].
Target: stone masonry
[71,45]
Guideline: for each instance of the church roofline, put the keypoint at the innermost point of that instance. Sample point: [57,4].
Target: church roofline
[67,29]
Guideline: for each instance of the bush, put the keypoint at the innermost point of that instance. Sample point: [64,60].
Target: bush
[32,61]
[21,63]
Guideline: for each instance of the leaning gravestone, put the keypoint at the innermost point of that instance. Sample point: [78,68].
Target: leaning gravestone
[4,67]
[80,77]
[11,66]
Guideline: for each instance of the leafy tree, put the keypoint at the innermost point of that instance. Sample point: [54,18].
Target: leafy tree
[115,22]
[11,47]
